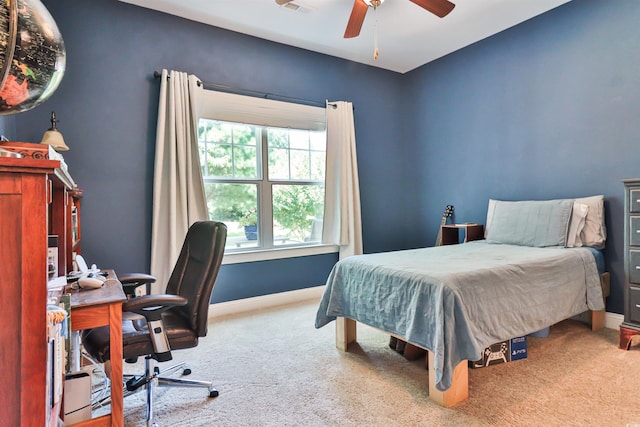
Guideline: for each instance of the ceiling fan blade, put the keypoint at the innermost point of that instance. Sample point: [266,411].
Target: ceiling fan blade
[281,2]
[356,19]
[440,8]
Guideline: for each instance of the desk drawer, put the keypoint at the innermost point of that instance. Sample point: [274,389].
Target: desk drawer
[634,200]
[634,304]
[634,266]
[634,231]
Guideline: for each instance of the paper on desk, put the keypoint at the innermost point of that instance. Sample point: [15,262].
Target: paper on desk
[56,283]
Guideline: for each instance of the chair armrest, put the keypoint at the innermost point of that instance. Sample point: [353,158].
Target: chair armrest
[152,306]
[142,278]
[130,281]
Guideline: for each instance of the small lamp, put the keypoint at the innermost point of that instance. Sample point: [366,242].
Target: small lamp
[53,137]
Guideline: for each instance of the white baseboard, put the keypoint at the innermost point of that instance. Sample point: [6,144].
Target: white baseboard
[264,301]
[241,306]
[613,320]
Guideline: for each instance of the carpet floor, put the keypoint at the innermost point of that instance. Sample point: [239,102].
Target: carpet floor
[273,368]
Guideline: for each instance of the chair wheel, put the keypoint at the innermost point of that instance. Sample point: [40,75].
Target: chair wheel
[213,393]
[136,382]
[186,371]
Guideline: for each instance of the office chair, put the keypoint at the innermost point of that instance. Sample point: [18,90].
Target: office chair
[172,321]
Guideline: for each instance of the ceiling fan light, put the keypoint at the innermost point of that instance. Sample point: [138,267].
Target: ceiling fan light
[373,3]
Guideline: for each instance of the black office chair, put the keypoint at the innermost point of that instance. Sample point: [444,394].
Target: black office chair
[172,321]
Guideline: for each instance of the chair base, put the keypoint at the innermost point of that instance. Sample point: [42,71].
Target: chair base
[152,378]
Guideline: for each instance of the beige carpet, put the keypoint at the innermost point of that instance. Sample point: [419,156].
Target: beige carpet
[274,369]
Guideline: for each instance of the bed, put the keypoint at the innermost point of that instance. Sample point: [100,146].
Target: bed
[538,264]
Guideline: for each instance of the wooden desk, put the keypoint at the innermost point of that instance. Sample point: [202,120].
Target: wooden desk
[103,307]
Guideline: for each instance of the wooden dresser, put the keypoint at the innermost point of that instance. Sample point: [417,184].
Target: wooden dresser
[631,324]
[36,200]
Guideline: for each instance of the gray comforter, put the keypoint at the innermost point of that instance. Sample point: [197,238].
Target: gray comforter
[456,300]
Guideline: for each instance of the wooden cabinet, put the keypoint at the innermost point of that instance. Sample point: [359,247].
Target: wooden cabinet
[35,201]
[631,324]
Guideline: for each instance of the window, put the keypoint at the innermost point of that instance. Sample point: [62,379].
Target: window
[264,180]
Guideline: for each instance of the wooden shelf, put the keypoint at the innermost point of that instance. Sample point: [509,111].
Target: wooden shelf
[34,203]
[451,233]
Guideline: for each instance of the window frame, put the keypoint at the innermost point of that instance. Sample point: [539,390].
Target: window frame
[264,114]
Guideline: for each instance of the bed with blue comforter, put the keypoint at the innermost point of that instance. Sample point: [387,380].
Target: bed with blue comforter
[457,300]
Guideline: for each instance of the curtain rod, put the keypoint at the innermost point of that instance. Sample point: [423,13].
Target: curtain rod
[265,95]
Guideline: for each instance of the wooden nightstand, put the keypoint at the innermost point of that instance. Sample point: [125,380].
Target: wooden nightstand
[451,234]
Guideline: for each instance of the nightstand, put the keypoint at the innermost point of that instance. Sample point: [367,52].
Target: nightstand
[471,231]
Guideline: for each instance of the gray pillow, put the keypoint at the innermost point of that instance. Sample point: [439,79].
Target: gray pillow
[530,223]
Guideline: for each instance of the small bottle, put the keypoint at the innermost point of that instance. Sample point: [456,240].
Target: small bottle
[52,269]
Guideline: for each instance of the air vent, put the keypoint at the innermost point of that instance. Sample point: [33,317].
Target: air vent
[296,7]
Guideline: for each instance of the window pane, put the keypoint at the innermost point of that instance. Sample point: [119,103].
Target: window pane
[318,140]
[246,165]
[299,165]
[218,160]
[318,160]
[228,150]
[299,139]
[278,163]
[278,138]
[244,135]
[297,213]
[236,205]
[214,131]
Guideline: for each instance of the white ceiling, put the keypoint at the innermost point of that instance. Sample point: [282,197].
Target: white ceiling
[408,36]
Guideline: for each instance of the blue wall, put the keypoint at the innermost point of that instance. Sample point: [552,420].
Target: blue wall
[546,109]
[7,126]
[107,106]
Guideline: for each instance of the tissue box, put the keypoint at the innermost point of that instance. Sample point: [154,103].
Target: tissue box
[502,352]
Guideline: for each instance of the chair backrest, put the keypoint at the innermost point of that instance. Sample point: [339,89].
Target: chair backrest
[196,270]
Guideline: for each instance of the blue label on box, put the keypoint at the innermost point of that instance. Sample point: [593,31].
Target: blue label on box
[518,348]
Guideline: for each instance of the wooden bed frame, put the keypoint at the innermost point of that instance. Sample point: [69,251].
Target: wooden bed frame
[459,390]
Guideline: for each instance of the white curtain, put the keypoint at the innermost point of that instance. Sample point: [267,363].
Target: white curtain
[178,191]
[342,220]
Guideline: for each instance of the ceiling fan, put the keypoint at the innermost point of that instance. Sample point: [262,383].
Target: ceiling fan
[440,8]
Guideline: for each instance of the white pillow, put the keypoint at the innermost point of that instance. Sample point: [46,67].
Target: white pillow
[576,225]
[490,210]
[594,232]
[537,223]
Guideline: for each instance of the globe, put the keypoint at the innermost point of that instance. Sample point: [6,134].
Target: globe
[32,55]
